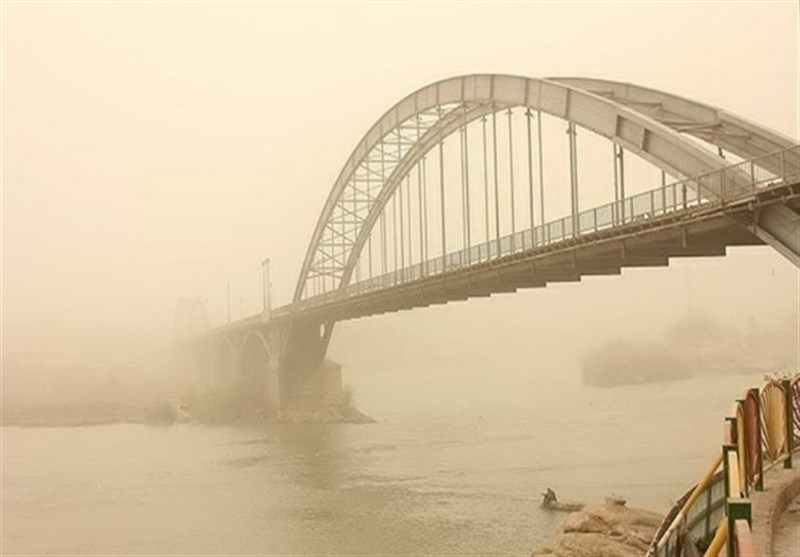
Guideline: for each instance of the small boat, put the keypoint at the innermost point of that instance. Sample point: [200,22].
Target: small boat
[551,503]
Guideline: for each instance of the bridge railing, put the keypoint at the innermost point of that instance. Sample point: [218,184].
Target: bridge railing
[728,185]
[760,433]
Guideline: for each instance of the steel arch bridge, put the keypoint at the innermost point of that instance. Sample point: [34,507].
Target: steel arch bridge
[449,195]
[648,123]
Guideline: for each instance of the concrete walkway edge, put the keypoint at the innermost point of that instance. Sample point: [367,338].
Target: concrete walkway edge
[781,486]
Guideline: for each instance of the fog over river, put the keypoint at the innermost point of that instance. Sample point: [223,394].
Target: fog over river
[444,471]
[159,151]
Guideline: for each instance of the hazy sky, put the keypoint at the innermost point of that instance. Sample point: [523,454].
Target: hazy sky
[159,150]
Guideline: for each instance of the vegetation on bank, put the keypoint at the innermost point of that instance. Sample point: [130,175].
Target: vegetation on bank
[696,346]
[225,406]
[235,405]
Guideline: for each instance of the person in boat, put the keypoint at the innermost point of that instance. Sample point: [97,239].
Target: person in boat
[550,502]
[549,497]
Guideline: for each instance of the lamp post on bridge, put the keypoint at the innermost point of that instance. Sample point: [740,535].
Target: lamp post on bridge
[229,302]
[266,305]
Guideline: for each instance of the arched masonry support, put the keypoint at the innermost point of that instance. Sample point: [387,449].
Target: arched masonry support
[223,361]
[277,367]
[259,367]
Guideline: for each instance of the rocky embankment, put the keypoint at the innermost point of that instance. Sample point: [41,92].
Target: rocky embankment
[611,530]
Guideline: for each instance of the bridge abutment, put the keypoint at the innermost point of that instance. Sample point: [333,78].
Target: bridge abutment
[311,383]
[271,370]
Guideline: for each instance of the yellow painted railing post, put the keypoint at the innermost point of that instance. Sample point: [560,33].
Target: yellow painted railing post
[787,388]
[759,486]
[731,429]
[730,470]
[740,426]
[719,539]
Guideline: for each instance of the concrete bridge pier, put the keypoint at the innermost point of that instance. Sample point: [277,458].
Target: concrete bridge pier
[310,382]
[275,370]
[256,371]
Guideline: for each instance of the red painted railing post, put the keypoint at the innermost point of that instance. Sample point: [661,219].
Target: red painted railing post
[742,446]
[787,388]
[726,449]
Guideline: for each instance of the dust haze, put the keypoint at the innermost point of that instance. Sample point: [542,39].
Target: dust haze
[155,153]
[159,151]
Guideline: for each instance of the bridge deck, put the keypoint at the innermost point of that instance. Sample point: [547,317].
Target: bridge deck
[695,232]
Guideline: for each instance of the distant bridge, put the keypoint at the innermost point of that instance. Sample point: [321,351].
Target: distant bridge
[448,196]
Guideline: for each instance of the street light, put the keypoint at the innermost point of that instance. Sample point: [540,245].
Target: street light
[265,285]
[229,302]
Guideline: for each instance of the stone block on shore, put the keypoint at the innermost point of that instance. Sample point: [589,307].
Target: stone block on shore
[611,529]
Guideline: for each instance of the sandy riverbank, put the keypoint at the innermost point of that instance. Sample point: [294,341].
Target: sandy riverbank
[163,413]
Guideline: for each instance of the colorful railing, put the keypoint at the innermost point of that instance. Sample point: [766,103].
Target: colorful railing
[761,433]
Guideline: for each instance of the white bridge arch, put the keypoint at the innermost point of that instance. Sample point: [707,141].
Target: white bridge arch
[648,123]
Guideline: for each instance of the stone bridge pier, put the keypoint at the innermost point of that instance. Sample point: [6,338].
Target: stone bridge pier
[274,369]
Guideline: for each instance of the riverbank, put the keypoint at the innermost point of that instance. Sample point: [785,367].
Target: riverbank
[162,413]
[611,529]
[72,415]
[696,346]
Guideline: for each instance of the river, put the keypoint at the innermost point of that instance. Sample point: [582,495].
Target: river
[449,469]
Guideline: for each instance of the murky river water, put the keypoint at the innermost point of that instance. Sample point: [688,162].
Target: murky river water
[445,471]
